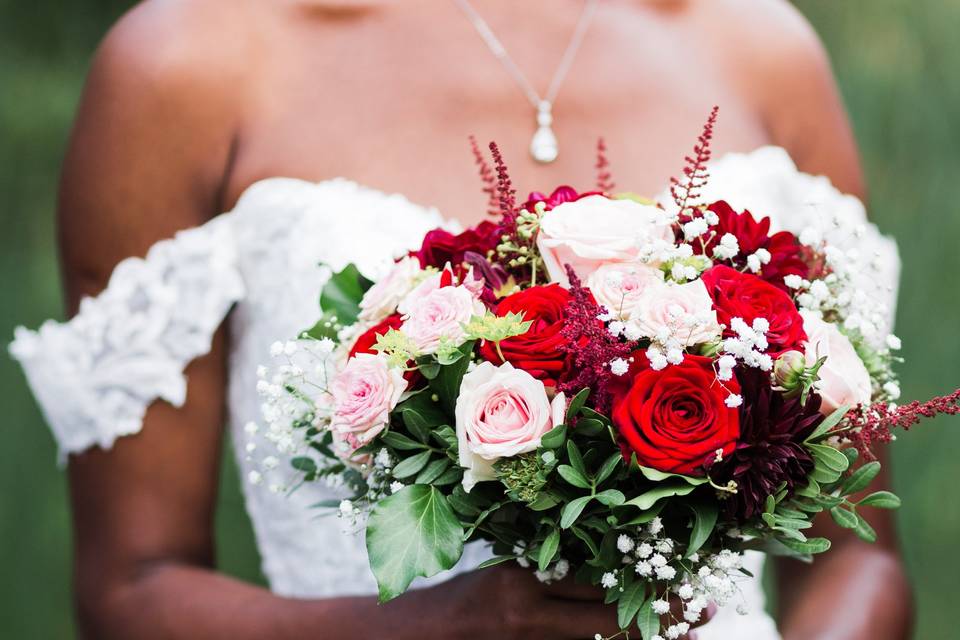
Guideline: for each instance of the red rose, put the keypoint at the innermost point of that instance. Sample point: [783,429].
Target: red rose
[440,247]
[744,295]
[542,350]
[786,253]
[675,419]
[368,339]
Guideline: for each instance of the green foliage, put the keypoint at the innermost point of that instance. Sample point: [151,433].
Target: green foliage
[342,293]
[412,533]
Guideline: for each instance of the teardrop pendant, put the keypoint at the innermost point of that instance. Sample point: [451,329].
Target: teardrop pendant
[543,146]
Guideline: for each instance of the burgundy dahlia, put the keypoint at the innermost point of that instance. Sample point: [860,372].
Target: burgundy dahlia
[786,253]
[441,247]
[770,450]
[559,195]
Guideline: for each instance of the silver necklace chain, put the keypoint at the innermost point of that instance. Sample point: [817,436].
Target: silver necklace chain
[543,146]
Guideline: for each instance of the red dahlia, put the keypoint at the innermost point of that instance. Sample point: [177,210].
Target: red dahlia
[441,247]
[786,253]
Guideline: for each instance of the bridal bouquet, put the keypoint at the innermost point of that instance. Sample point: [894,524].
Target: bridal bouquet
[598,385]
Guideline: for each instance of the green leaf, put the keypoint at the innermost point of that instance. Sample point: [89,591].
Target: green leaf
[809,490]
[417,425]
[304,464]
[451,475]
[705,519]
[647,620]
[811,546]
[577,403]
[659,476]
[447,383]
[342,293]
[861,478]
[828,423]
[609,466]
[495,561]
[409,466]
[325,327]
[665,490]
[629,603]
[881,500]
[822,474]
[830,457]
[610,498]
[433,471]
[400,441]
[412,533]
[544,500]
[864,531]
[446,437]
[572,510]
[572,476]
[554,438]
[587,540]
[576,460]
[844,517]
[548,549]
[589,427]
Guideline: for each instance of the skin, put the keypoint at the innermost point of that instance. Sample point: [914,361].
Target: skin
[189,102]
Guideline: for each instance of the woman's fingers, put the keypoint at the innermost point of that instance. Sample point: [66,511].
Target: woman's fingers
[579,620]
[570,589]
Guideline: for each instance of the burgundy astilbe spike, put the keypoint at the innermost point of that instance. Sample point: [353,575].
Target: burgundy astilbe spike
[604,177]
[506,194]
[488,178]
[686,190]
[873,424]
[590,345]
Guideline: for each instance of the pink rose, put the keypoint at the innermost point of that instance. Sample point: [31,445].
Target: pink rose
[618,286]
[439,315]
[501,412]
[382,298]
[681,311]
[844,379]
[596,230]
[364,393]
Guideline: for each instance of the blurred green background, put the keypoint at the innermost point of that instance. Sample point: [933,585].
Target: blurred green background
[896,61]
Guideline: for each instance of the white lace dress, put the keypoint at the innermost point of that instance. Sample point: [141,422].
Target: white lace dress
[95,375]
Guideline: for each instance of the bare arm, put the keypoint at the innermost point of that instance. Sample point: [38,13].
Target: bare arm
[857,590]
[152,143]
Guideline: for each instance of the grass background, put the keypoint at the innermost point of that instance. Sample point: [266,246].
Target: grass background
[896,63]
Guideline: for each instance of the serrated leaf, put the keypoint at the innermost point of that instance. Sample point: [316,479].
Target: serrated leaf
[555,438]
[629,603]
[861,478]
[412,465]
[665,490]
[572,510]
[572,476]
[881,500]
[548,549]
[832,458]
[844,517]
[704,520]
[412,533]
[828,423]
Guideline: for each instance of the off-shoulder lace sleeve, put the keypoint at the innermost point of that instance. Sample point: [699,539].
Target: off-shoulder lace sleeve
[95,375]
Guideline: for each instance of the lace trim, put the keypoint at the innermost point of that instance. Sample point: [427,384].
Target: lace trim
[95,375]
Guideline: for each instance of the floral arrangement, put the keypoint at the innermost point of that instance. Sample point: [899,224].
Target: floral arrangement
[598,385]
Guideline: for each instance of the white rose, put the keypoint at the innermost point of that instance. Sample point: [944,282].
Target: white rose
[595,230]
[844,379]
[682,311]
[618,286]
[440,315]
[382,298]
[501,412]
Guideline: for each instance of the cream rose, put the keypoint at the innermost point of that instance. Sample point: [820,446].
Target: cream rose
[618,286]
[681,311]
[364,393]
[595,230]
[382,298]
[844,379]
[440,315]
[501,412]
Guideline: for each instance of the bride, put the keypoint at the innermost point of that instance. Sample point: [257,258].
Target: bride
[193,108]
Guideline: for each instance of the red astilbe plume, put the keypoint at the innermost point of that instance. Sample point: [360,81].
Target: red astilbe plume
[605,182]
[487,176]
[685,191]
[506,194]
[873,424]
[590,345]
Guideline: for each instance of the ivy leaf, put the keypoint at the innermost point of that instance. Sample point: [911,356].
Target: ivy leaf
[629,603]
[665,490]
[881,500]
[342,293]
[412,533]
[548,549]
[704,520]
[861,478]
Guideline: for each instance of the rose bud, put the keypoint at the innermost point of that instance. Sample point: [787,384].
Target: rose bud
[788,369]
